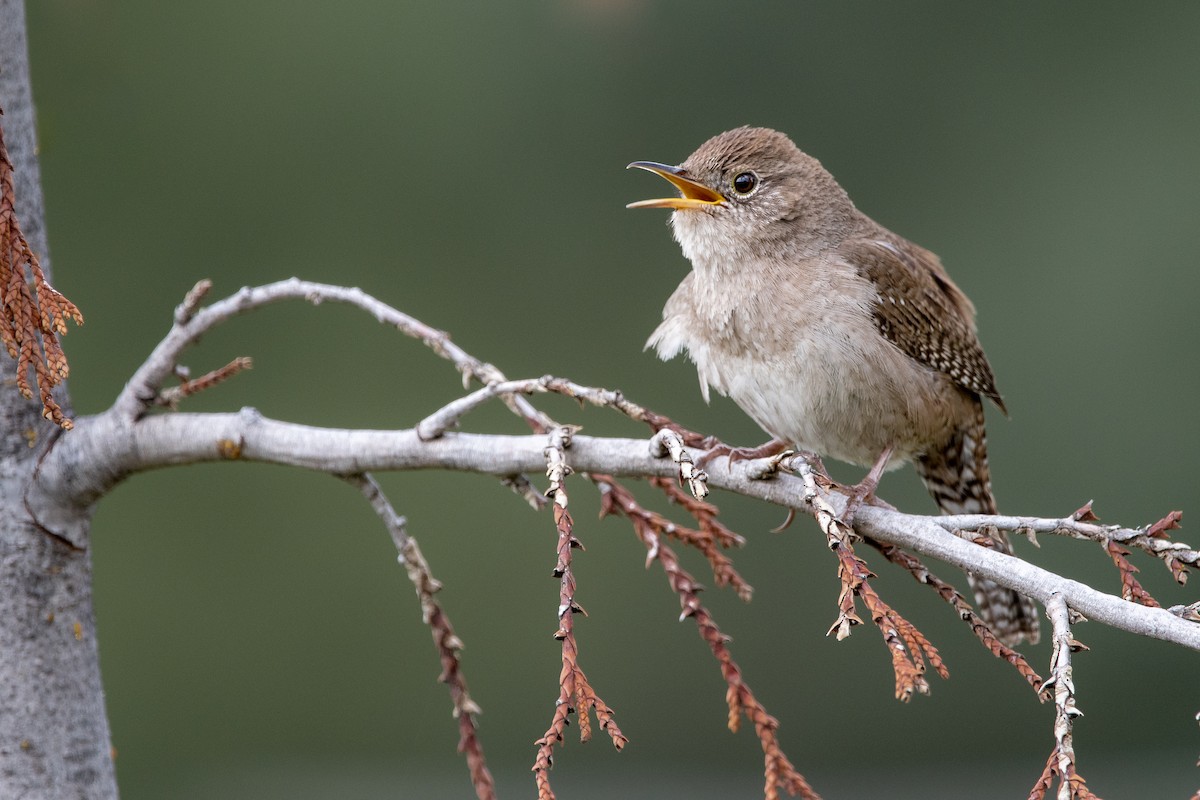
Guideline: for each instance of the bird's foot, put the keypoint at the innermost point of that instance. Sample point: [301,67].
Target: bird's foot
[735,454]
[821,475]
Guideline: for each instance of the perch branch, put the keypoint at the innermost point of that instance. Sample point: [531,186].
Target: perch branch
[113,448]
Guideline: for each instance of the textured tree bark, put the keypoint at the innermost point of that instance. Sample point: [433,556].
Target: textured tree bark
[54,737]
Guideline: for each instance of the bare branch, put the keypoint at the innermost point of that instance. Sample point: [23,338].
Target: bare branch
[448,416]
[191,301]
[114,448]
[522,487]
[191,324]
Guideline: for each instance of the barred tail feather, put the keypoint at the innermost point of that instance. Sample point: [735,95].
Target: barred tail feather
[957,477]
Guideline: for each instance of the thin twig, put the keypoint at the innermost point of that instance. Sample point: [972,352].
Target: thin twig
[522,487]
[777,768]
[449,415]
[1061,764]
[448,644]
[1150,539]
[575,692]
[191,323]
[708,539]
[173,395]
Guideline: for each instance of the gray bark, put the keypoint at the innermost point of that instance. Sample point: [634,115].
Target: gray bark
[54,737]
[106,448]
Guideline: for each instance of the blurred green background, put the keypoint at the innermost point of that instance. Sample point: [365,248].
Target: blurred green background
[465,162]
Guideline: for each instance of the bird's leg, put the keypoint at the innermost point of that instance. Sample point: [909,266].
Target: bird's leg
[864,490]
[735,454]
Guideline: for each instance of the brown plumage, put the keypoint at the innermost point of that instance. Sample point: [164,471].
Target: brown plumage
[834,334]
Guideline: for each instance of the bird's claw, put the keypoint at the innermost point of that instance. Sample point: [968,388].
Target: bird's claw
[775,447]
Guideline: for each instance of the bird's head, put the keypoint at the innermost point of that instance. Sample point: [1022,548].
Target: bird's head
[751,190]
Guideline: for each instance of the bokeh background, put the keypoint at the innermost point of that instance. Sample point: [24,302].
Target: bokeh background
[464,162]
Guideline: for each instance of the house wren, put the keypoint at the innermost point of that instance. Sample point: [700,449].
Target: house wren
[834,334]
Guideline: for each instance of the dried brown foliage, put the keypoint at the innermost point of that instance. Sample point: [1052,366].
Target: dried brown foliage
[1085,513]
[955,598]
[448,646]
[909,648]
[31,317]
[445,640]
[1159,531]
[1168,523]
[1131,588]
[710,537]
[187,387]
[1065,774]
[1154,540]
[575,693]
[778,769]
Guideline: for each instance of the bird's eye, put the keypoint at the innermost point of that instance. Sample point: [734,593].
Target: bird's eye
[745,182]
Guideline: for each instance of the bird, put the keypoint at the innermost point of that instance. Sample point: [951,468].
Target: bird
[835,335]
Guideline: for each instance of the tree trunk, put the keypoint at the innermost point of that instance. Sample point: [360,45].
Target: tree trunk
[54,738]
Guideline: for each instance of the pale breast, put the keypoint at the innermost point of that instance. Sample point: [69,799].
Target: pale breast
[807,363]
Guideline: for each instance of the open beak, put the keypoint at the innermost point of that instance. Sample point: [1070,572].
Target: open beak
[693,195]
